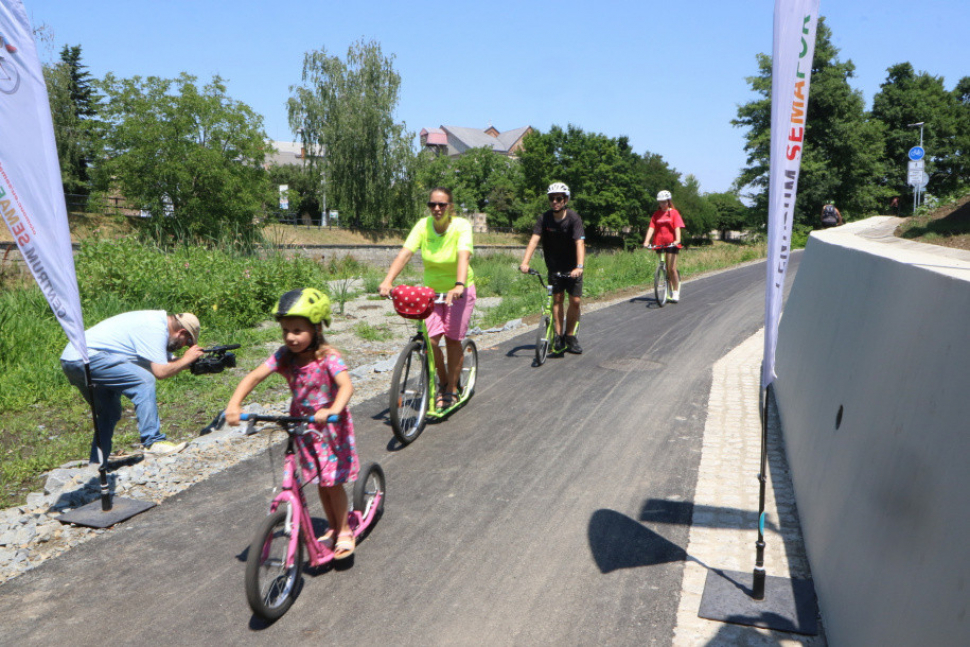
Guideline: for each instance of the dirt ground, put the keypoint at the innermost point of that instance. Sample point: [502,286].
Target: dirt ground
[948,226]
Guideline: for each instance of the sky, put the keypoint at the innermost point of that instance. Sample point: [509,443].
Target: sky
[668,75]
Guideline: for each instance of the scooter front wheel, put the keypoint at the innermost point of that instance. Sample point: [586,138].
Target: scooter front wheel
[409,394]
[660,285]
[271,584]
[542,341]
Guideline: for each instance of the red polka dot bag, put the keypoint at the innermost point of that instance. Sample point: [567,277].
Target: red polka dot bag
[413,302]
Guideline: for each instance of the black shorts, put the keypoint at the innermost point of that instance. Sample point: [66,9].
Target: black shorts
[573,286]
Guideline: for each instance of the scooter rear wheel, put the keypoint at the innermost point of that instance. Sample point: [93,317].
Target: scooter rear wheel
[369,484]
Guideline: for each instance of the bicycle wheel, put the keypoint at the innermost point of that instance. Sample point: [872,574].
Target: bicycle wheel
[9,77]
[369,483]
[409,393]
[469,369]
[270,584]
[660,284]
[542,341]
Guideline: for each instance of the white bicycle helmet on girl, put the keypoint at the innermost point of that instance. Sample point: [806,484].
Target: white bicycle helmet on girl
[557,187]
[664,195]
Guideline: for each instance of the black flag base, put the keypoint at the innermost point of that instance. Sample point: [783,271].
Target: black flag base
[93,515]
[789,604]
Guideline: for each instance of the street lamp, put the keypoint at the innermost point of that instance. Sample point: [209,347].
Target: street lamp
[920,124]
[917,190]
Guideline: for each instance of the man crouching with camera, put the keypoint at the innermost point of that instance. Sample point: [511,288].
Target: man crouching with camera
[127,353]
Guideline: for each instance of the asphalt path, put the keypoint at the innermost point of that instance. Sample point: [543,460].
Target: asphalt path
[529,517]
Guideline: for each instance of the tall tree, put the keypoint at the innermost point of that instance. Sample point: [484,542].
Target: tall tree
[699,214]
[655,176]
[74,106]
[83,94]
[960,162]
[191,156]
[344,110]
[842,158]
[480,179]
[601,173]
[730,212]
[908,97]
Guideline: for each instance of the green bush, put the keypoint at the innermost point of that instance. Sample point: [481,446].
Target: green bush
[799,236]
[225,290]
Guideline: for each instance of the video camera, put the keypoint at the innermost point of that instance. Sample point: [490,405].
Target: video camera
[215,360]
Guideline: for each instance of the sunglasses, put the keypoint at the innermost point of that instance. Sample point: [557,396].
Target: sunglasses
[443,205]
[557,198]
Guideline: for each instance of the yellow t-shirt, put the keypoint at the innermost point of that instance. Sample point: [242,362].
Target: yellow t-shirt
[439,252]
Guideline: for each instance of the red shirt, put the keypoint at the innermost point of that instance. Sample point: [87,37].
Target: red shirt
[664,222]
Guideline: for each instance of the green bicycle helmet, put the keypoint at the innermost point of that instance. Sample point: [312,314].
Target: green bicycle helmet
[307,302]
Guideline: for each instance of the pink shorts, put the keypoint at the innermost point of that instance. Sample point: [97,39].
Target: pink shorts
[453,321]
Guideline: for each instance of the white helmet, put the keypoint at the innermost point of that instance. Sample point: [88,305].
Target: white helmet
[664,195]
[557,187]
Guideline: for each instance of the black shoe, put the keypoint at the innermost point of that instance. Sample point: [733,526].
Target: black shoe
[558,345]
[572,345]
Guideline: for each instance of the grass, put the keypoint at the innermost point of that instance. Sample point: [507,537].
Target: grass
[947,225]
[55,426]
[368,332]
[606,273]
[341,293]
[46,422]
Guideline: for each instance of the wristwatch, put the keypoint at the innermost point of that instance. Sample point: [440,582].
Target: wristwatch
[579,267]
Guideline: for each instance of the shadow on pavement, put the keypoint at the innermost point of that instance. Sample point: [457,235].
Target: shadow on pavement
[617,541]
[686,513]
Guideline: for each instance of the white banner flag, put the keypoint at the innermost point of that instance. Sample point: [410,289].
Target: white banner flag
[794,46]
[31,194]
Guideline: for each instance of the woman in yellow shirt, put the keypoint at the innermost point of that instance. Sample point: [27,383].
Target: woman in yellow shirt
[446,249]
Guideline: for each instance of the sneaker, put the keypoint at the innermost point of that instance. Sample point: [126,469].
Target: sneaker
[558,345]
[572,345]
[674,296]
[164,448]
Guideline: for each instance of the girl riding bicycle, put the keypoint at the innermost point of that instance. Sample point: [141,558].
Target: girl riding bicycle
[446,249]
[667,224]
[321,387]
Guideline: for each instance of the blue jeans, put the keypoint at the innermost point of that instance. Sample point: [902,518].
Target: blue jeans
[113,376]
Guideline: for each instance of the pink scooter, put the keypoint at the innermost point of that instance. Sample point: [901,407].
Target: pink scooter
[275,558]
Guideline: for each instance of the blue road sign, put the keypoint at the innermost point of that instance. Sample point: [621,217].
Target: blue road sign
[916,153]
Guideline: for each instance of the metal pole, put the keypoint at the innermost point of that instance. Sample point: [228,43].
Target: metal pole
[917,189]
[103,468]
[920,185]
[758,580]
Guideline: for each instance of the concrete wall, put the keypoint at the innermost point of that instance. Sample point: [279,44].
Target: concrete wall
[879,330]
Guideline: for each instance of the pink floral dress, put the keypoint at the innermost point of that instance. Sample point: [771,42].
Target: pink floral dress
[328,457]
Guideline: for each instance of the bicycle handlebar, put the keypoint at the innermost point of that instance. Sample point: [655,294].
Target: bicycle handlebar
[258,417]
[561,275]
[669,246]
